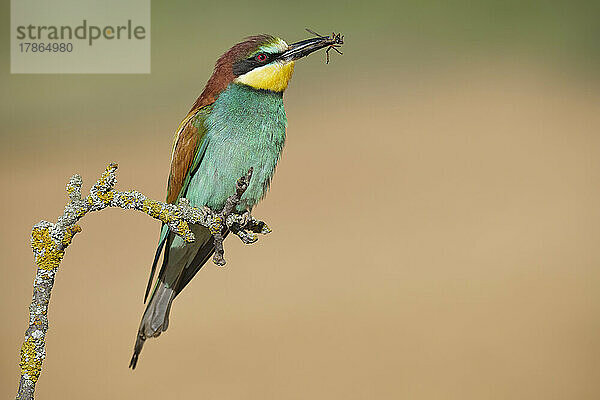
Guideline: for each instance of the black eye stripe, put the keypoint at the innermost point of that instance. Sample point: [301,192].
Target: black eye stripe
[243,66]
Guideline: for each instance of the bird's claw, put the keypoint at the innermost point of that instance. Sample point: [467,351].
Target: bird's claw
[243,225]
[247,237]
[246,227]
[258,226]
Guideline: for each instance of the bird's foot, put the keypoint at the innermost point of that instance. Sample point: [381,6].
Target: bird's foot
[246,227]
[243,225]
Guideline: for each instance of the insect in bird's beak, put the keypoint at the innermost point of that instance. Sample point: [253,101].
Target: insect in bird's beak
[305,47]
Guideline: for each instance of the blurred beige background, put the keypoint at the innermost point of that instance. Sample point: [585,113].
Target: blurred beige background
[436,213]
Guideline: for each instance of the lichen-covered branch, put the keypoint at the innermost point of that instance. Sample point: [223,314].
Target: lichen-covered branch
[50,240]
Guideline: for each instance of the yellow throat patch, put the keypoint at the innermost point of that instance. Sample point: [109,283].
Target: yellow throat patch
[274,77]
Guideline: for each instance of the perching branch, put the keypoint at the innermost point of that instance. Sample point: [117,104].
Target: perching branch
[50,240]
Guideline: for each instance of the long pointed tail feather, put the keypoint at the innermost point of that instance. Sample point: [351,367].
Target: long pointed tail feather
[155,319]
[163,239]
[137,349]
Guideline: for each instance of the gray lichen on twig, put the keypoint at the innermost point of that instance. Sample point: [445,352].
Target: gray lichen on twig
[50,240]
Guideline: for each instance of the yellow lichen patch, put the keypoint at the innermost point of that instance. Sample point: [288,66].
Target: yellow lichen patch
[152,208]
[106,197]
[110,169]
[216,226]
[183,229]
[71,231]
[48,257]
[164,215]
[30,364]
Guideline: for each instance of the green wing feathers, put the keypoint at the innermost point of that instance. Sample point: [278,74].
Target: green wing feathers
[188,149]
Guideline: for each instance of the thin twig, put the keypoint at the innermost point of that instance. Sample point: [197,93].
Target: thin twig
[50,240]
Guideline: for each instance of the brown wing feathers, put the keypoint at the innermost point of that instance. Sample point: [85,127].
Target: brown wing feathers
[183,155]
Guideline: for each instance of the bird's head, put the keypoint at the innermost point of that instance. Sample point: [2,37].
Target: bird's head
[262,62]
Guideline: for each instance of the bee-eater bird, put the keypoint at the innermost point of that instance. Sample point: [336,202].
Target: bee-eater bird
[238,122]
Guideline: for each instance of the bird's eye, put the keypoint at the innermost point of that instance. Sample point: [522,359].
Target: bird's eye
[262,57]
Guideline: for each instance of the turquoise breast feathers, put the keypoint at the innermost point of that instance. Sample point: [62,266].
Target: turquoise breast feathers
[245,128]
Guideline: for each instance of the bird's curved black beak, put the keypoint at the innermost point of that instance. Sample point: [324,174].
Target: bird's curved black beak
[305,47]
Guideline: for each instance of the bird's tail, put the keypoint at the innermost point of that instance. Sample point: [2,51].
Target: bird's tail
[155,319]
[180,263]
